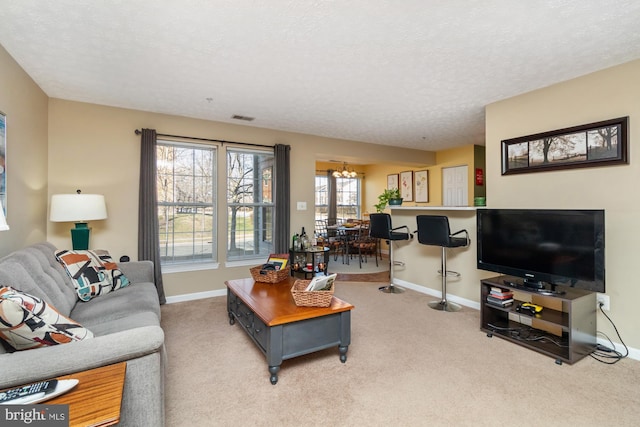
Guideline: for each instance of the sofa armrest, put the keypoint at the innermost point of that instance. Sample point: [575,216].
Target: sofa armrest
[138,271]
[28,366]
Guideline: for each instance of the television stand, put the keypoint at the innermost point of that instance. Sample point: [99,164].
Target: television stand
[565,329]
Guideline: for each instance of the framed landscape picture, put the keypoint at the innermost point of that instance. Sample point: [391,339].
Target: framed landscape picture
[406,186]
[594,144]
[421,185]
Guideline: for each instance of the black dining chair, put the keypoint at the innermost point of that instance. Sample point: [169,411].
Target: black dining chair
[364,244]
[380,227]
[434,230]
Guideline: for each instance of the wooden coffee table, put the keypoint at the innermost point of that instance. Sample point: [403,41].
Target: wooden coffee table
[282,330]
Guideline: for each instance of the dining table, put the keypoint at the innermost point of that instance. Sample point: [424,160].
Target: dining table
[346,233]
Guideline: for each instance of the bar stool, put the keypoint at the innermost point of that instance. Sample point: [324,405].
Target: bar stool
[380,228]
[434,230]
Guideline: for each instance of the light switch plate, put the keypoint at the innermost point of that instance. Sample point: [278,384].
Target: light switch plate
[302,206]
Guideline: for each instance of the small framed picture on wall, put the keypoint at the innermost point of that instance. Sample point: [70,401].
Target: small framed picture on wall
[421,184]
[406,186]
[392,181]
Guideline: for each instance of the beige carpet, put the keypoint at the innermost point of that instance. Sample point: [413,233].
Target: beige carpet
[354,267]
[407,365]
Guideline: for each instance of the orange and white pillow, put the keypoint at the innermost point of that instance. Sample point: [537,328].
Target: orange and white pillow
[28,322]
[93,272]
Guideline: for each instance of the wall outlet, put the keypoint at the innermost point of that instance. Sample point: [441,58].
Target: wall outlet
[604,300]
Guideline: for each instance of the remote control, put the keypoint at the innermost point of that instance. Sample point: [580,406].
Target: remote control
[37,392]
[18,393]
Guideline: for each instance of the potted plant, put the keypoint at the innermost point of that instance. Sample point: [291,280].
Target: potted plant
[391,197]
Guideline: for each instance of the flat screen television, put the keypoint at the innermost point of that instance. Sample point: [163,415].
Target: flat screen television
[544,247]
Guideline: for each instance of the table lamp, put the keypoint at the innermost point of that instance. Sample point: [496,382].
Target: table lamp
[78,208]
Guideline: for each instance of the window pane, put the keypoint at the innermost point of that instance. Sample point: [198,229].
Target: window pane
[322,196]
[249,204]
[186,211]
[347,197]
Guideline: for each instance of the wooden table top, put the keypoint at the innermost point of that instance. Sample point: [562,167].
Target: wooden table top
[274,305]
[97,398]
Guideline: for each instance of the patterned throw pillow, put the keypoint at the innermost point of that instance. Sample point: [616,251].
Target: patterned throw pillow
[93,272]
[28,322]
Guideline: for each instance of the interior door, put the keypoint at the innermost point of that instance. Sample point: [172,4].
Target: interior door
[454,186]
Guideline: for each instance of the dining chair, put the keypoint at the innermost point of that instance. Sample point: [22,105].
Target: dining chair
[365,244]
[335,241]
[321,228]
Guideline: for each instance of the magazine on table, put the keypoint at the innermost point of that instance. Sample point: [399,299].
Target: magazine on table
[321,283]
[279,263]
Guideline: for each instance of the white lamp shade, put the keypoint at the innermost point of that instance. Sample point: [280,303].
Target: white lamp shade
[3,219]
[77,207]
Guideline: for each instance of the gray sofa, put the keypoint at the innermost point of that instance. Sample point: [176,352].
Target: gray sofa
[125,324]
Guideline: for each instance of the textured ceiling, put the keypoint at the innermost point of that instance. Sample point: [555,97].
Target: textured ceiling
[412,73]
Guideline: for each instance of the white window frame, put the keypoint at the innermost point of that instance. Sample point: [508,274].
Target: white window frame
[186,264]
[262,237]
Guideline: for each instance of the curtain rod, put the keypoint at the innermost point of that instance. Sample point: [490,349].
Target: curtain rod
[138,132]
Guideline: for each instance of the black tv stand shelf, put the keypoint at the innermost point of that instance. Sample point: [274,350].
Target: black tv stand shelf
[565,329]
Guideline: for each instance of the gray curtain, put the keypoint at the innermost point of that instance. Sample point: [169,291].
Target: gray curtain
[148,242]
[332,212]
[282,194]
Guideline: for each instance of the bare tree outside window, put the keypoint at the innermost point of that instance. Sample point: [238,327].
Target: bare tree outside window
[185,181]
[249,204]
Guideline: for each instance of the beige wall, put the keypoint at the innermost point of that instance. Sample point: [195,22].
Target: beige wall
[94,148]
[604,95]
[58,146]
[469,155]
[607,94]
[25,106]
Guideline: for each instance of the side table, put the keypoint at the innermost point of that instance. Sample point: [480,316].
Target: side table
[318,256]
[97,398]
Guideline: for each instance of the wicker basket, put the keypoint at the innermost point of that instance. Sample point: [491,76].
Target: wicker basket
[304,298]
[270,276]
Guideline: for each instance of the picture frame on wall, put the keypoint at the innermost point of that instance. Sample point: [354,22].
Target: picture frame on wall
[406,186]
[595,144]
[3,161]
[421,186]
[392,181]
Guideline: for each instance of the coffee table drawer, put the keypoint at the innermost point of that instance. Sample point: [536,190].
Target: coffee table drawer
[260,333]
[248,320]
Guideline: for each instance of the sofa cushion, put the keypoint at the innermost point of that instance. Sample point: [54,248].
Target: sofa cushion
[93,272]
[36,271]
[137,298]
[28,322]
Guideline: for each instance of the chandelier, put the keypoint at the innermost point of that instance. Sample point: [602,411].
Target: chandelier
[345,173]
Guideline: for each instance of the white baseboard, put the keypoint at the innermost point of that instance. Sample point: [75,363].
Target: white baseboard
[437,294]
[196,295]
[634,353]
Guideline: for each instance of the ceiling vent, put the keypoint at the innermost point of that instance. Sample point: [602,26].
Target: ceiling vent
[245,118]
